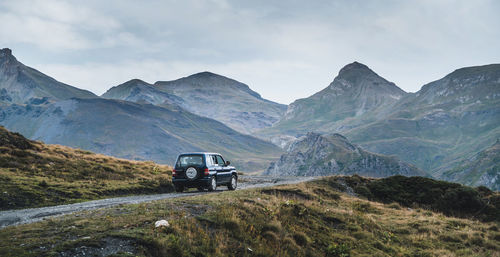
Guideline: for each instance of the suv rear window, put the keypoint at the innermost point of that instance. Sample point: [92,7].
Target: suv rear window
[189,160]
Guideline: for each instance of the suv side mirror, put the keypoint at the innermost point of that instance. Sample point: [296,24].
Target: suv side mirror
[227,163]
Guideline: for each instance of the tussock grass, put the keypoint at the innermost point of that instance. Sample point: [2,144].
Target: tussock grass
[256,222]
[33,174]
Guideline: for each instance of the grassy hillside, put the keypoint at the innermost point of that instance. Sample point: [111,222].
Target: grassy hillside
[34,174]
[482,169]
[308,219]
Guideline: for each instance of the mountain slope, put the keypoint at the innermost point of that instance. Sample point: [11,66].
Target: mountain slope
[209,95]
[321,155]
[21,84]
[481,170]
[448,120]
[356,96]
[34,174]
[134,131]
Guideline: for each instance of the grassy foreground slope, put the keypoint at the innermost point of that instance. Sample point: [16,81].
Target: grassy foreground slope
[33,174]
[308,219]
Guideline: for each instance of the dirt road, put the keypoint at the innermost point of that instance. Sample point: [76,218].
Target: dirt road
[24,216]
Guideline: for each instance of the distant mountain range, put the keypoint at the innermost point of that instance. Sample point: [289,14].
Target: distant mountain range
[209,95]
[447,121]
[322,155]
[48,111]
[438,129]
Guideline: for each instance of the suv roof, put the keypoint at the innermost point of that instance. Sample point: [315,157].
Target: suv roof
[200,153]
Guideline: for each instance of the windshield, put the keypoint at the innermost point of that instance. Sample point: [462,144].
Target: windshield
[190,160]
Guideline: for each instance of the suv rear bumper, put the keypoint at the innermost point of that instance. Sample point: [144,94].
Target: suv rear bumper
[201,182]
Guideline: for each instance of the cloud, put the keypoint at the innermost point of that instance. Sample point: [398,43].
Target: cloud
[60,26]
[274,46]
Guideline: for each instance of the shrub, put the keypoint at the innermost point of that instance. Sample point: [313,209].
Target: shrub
[271,237]
[273,226]
[231,225]
[43,183]
[394,205]
[364,207]
[301,238]
[363,191]
[338,250]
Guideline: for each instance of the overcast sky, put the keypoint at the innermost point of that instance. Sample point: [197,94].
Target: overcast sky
[284,50]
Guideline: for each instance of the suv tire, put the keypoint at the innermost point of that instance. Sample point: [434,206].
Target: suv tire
[213,184]
[233,183]
[191,173]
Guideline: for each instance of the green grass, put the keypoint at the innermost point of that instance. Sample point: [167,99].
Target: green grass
[307,219]
[33,174]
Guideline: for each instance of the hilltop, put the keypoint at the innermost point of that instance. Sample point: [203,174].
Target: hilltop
[34,174]
[333,154]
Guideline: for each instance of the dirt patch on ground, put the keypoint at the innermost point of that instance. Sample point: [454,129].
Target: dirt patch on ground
[108,246]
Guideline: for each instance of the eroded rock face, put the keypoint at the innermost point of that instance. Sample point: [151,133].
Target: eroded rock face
[320,155]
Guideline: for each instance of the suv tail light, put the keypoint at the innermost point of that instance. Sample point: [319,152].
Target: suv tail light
[206,172]
[174,173]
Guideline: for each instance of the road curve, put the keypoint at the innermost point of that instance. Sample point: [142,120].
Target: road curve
[25,216]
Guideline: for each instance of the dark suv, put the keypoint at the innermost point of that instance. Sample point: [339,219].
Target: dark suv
[203,170]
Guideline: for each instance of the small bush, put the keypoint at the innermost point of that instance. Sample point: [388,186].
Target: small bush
[290,243]
[394,205]
[274,226]
[301,238]
[477,240]
[271,237]
[338,250]
[363,191]
[364,207]
[231,225]
[496,237]
[43,183]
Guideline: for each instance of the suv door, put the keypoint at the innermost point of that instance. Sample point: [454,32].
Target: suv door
[225,173]
[217,168]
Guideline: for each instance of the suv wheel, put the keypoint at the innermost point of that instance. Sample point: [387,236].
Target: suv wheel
[213,184]
[233,184]
[179,189]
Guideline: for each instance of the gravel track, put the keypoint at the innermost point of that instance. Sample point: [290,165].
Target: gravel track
[25,216]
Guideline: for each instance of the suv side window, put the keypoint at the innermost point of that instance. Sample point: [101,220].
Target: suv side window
[214,160]
[209,161]
[220,161]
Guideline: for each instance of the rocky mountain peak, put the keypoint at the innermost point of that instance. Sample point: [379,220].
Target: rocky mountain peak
[356,72]
[6,56]
[355,66]
[5,52]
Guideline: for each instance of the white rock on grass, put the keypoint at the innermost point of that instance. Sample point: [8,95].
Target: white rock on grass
[161,223]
